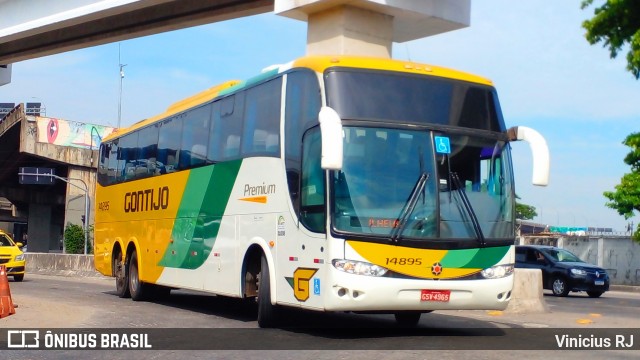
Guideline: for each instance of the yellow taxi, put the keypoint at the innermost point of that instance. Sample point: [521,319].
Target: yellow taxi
[11,256]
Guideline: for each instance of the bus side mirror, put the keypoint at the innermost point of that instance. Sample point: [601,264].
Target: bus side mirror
[539,150]
[331,132]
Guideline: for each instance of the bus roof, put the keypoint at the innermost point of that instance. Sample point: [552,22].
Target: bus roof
[322,63]
[315,63]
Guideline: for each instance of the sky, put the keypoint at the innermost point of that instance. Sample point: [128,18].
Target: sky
[547,76]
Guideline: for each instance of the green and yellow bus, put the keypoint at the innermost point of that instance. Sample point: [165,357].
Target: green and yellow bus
[331,183]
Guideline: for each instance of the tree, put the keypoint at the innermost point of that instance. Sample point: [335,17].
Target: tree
[626,198]
[524,211]
[74,239]
[616,23]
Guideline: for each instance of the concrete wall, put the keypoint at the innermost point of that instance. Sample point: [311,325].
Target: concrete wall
[60,264]
[619,255]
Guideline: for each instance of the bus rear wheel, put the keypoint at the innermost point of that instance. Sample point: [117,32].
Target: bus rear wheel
[138,289]
[267,312]
[122,278]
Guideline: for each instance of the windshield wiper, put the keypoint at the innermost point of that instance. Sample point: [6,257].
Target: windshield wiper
[467,206]
[409,206]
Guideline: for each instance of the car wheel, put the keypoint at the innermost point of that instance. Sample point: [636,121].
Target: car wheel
[18,278]
[595,294]
[559,286]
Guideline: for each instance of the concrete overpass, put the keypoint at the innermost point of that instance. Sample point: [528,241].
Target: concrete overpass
[37,141]
[37,28]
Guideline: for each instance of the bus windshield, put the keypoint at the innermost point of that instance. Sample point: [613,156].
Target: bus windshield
[382,167]
[402,98]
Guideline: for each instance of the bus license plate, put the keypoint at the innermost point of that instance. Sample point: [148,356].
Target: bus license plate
[599,282]
[435,295]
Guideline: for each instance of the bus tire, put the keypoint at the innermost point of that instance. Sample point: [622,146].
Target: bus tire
[407,318]
[121,272]
[138,289]
[267,312]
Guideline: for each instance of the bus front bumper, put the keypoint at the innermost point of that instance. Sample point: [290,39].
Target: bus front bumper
[349,292]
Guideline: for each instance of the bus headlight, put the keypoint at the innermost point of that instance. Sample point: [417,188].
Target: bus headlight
[498,271]
[20,257]
[359,267]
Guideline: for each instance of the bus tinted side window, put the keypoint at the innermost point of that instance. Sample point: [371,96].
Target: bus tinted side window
[262,120]
[301,113]
[169,138]
[103,178]
[147,164]
[128,156]
[195,137]
[312,208]
[112,169]
[230,125]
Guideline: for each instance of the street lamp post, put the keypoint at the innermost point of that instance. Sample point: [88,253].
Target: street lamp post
[121,77]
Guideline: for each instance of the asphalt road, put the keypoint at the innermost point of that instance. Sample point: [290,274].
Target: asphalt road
[226,328]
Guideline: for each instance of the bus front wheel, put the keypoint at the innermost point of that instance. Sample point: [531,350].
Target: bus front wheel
[122,278]
[267,312]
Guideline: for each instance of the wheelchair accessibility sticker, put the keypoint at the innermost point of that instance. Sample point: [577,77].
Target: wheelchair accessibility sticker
[443,145]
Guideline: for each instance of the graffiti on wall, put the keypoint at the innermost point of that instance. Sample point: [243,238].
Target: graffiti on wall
[70,133]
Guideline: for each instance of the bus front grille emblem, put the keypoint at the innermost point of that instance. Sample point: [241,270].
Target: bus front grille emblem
[436,269]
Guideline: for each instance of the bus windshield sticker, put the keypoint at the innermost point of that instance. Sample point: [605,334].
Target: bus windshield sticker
[443,145]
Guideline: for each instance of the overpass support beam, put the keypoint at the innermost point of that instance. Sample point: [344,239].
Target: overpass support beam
[369,27]
[5,74]
[350,30]
[43,233]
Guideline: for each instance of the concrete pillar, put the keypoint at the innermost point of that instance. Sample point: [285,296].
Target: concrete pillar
[40,230]
[369,27]
[5,74]
[347,30]
[527,296]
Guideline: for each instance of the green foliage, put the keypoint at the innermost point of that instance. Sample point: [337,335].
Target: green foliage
[626,198]
[616,23]
[525,212]
[73,239]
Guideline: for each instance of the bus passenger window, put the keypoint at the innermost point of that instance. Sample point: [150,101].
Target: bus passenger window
[169,143]
[262,119]
[230,126]
[195,137]
[103,177]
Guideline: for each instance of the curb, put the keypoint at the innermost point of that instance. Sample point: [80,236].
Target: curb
[625,288]
[66,273]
